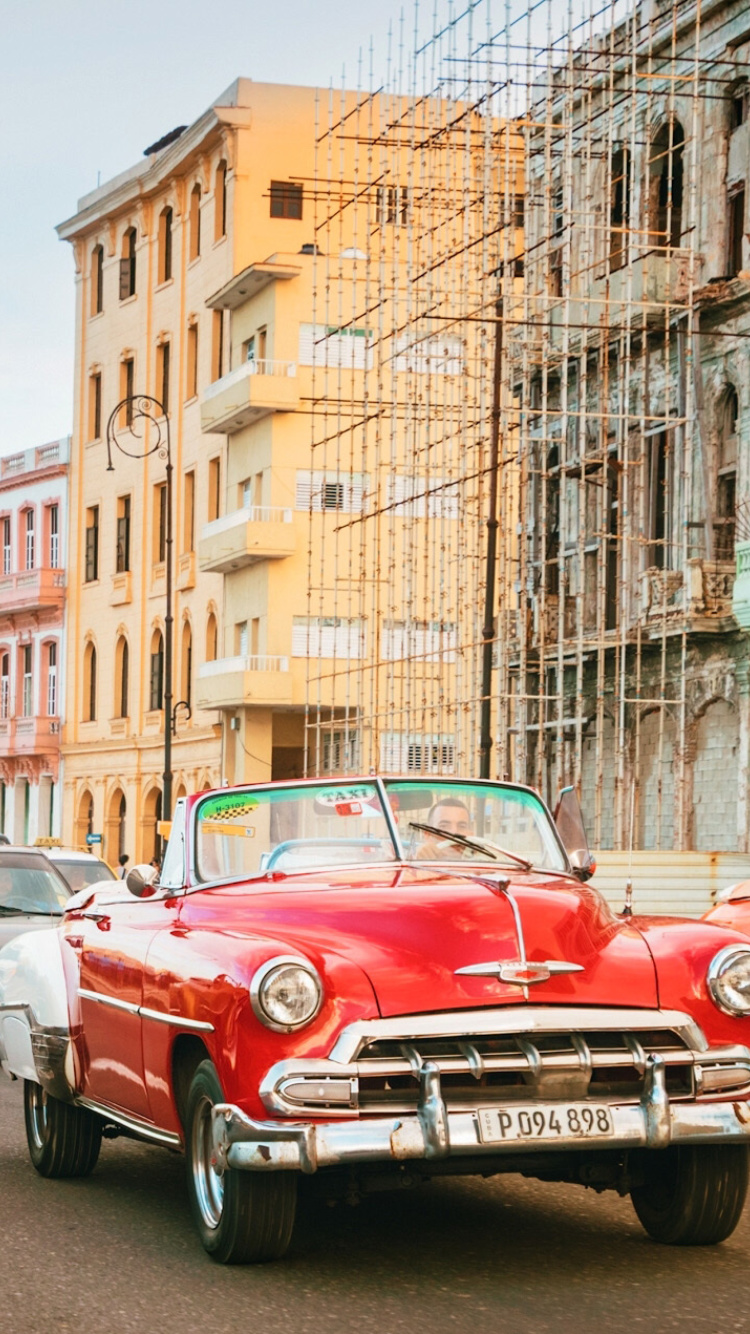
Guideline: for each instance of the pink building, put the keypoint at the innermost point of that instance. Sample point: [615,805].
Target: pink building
[33,526]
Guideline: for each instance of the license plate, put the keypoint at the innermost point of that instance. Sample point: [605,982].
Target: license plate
[547,1121]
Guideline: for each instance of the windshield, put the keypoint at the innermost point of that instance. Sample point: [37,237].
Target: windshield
[80,874]
[498,818]
[247,832]
[27,887]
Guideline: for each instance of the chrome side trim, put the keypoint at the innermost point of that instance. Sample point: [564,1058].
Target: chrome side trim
[526,1019]
[145,1131]
[177,1020]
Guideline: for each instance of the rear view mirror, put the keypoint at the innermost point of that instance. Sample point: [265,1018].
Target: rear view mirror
[569,822]
[140,881]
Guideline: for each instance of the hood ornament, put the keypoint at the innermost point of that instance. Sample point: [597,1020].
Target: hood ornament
[520,972]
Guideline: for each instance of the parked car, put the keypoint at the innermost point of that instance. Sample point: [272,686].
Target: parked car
[32,893]
[79,869]
[384,980]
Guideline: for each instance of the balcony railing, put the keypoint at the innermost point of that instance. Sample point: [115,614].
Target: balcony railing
[259,532]
[32,736]
[32,590]
[251,391]
[257,679]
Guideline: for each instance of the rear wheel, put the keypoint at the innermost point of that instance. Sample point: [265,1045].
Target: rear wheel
[242,1217]
[63,1140]
[692,1195]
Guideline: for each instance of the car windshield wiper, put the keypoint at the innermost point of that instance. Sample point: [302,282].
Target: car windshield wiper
[30,912]
[475,844]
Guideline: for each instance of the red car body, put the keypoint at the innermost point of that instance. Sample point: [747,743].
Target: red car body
[142,1013]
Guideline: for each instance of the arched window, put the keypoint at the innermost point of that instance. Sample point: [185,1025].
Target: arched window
[156,677]
[195,221]
[165,245]
[186,675]
[89,683]
[97,280]
[127,264]
[726,475]
[84,823]
[212,638]
[52,698]
[619,213]
[220,201]
[665,171]
[122,662]
[5,685]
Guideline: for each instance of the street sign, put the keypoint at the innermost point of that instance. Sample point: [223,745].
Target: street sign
[93,838]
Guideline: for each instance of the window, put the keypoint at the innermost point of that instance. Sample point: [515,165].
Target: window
[659,492]
[327,637]
[726,481]
[736,231]
[250,349]
[212,638]
[318,490]
[738,105]
[665,170]
[156,676]
[340,751]
[122,663]
[220,201]
[188,530]
[97,280]
[127,265]
[26,701]
[214,488]
[127,389]
[160,523]
[52,680]
[619,211]
[5,685]
[217,345]
[335,348]
[162,374]
[6,546]
[413,752]
[29,543]
[89,683]
[54,537]
[195,222]
[393,204]
[423,641]
[191,388]
[92,544]
[95,406]
[122,560]
[241,639]
[418,497]
[286,199]
[186,680]
[164,269]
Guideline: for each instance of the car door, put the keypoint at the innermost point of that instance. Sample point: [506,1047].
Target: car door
[110,937]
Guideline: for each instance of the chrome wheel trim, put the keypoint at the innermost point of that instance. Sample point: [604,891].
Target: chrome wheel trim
[208,1184]
[39,1116]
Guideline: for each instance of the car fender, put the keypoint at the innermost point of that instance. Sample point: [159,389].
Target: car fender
[34,1023]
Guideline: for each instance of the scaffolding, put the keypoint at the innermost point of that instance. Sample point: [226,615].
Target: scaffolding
[522,541]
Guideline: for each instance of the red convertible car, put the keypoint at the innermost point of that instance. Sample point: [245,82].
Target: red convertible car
[382,981]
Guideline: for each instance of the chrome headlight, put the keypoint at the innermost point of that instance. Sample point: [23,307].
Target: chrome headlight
[729,979]
[286,993]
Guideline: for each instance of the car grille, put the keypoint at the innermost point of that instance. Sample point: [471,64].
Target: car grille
[481,1068]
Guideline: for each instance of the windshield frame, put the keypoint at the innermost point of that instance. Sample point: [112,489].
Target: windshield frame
[195,882]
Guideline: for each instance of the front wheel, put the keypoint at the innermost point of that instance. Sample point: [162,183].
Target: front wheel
[692,1195]
[242,1217]
[63,1140]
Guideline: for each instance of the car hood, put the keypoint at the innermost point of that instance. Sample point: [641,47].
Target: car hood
[410,933]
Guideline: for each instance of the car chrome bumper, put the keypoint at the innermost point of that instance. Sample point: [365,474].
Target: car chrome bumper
[651,1123]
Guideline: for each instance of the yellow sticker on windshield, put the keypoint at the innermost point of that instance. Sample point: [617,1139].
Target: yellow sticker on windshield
[218,827]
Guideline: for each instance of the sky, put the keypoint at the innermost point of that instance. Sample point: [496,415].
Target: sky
[84,88]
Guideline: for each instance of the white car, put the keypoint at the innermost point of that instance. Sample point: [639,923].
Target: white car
[80,869]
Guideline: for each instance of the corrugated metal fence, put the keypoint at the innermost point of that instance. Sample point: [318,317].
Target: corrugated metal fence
[683,884]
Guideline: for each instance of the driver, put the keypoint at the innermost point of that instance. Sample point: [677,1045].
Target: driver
[452,816]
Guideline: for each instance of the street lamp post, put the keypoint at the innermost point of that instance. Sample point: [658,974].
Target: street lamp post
[141,409]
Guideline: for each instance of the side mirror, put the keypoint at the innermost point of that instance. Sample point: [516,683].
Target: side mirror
[569,822]
[141,881]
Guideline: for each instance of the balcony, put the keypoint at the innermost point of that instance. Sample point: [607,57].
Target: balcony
[32,590]
[252,391]
[700,601]
[122,589]
[33,736]
[245,537]
[233,683]
[186,571]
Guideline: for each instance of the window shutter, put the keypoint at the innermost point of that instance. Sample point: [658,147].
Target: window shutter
[125,287]
[91,534]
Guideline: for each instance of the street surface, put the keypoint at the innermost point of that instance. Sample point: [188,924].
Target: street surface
[117,1253]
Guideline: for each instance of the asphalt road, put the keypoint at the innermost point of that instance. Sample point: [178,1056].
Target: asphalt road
[117,1253]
